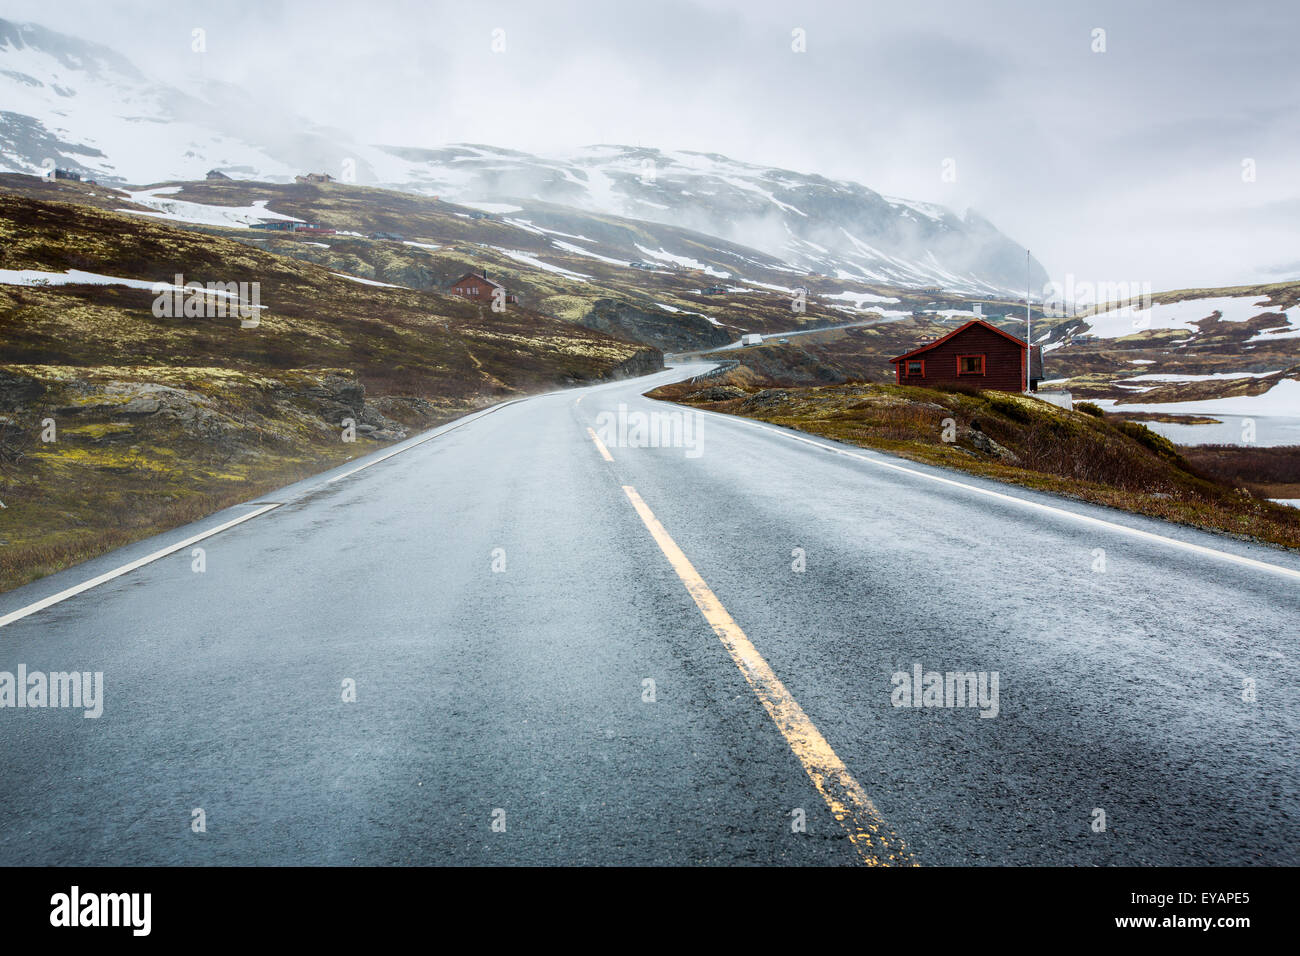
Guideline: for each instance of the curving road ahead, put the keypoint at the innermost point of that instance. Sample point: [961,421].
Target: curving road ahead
[502,594]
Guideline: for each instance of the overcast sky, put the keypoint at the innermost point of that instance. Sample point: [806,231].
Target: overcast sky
[1122,165]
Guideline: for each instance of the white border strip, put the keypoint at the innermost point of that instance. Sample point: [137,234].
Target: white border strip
[1038,506]
[118,572]
[436,433]
[139,562]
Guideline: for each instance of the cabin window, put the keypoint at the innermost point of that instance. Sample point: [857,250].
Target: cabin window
[915,368]
[970,364]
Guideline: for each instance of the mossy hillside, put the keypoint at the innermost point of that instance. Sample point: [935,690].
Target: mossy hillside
[312,318]
[466,243]
[117,468]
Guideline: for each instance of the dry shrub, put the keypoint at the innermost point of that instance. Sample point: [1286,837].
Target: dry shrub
[1237,464]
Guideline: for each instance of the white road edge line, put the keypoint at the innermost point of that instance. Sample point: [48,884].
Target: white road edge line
[1039,506]
[118,572]
[138,563]
[432,435]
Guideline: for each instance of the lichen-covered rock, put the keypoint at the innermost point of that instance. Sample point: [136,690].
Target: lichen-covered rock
[18,391]
[669,331]
[766,399]
[717,393]
[988,446]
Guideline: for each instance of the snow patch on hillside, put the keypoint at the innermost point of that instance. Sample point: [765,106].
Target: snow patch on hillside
[201,214]
[1158,377]
[1283,399]
[858,298]
[580,251]
[536,263]
[1183,315]
[684,261]
[35,277]
[375,282]
[495,208]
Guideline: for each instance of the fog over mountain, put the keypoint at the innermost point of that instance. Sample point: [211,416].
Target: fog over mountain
[82,106]
[1118,155]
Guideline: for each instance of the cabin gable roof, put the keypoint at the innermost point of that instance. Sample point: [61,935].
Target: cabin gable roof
[956,332]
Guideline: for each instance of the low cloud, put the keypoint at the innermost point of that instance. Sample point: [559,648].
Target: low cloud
[1067,150]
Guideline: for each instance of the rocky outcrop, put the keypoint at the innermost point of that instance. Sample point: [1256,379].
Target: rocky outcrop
[141,400]
[408,410]
[641,363]
[765,400]
[792,366]
[17,391]
[717,393]
[666,331]
[337,399]
[232,423]
[983,443]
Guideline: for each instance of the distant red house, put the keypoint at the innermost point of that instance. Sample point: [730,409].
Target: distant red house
[977,354]
[476,285]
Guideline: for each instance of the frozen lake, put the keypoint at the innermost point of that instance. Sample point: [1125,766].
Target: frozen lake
[1270,430]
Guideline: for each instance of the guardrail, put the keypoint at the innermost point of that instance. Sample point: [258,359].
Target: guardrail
[723,368]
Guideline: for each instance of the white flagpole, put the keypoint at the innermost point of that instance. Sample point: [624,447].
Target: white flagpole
[1029,344]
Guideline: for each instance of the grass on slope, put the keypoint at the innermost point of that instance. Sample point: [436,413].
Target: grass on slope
[1267,472]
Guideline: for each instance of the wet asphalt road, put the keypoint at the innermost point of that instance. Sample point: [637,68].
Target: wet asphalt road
[520,688]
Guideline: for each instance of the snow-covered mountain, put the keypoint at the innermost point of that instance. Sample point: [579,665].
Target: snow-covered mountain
[82,106]
[821,225]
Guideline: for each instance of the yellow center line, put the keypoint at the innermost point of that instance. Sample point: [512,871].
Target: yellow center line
[600,446]
[848,801]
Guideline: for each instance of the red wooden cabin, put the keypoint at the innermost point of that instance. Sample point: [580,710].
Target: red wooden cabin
[476,285]
[977,354]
